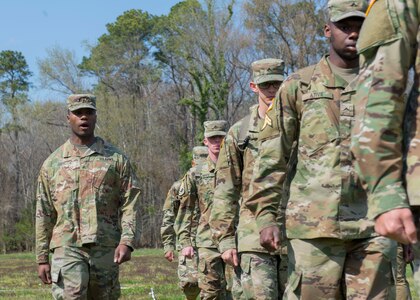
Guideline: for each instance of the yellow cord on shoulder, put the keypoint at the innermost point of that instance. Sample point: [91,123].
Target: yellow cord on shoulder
[369,7]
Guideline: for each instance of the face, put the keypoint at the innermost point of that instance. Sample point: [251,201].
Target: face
[343,36]
[266,91]
[82,123]
[213,144]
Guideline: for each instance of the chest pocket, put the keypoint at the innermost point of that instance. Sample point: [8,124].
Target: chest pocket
[319,121]
[98,175]
[205,187]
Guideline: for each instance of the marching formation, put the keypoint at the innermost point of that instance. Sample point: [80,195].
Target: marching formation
[312,195]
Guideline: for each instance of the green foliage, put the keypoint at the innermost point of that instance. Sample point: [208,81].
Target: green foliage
[185,158]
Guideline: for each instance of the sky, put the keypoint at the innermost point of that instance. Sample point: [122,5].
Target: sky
[32,26]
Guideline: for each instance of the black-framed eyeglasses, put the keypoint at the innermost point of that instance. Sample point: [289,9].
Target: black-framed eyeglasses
[266,85]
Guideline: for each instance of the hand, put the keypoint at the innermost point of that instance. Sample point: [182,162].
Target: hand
[122,254]
[397,224]
[188,252]
[44,273]
[231,257]
[169,255]
[270,238]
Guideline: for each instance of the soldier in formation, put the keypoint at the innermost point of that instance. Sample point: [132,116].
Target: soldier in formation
[238,240]
[197,190]
[333,249]
[87,203]
[187,267]
[386,134]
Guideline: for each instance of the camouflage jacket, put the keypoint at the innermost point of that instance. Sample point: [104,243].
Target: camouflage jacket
[389,47]
[233,174]
[197,190]
[84,198]
[170,210]
[326,199]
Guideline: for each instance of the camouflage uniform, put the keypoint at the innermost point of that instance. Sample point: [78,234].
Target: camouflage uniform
[332,242]
[197,191]
[389,48]
[233,175]
[86,205]
[187,268]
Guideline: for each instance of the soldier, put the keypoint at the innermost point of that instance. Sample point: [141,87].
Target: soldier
[197,191]
[86,206]
[233,174]
[187,267]
[333,250]
[387,162]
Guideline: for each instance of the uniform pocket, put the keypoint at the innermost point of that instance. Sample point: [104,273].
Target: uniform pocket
[381,24]
[293,285]
[55,274]
[202,266]
[246,264]
[319,121]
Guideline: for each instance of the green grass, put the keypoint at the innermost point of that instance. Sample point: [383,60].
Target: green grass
[147,269]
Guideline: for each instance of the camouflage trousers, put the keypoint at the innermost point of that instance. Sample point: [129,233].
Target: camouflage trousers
[211,275]
[84,273]
[326,268]
[259,275]
[402,288]
[188,276]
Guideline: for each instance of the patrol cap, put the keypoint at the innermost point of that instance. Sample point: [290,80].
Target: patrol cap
[342,9]
[214,128]
[78,101]
[200,152]
[268,69]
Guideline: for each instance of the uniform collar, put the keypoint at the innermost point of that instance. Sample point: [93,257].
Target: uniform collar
[330,80]
[211,164]
[72,151]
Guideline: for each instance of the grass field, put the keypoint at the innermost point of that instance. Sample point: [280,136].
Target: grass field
[147,269]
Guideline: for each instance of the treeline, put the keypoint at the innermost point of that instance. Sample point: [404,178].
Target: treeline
[157,79]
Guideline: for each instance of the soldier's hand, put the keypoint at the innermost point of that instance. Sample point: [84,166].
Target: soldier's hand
[169,255]
[44,273]
[231,257]
[270,238]
[397,224]
[188,252]
[122,254]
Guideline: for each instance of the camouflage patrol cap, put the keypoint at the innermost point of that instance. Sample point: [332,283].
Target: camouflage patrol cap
[268,69]
[78,101]
[342,9]
[214,128]
[200,152]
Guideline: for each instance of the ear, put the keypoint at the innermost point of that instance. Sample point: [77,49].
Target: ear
[205,142]
[327,30]
[254,87]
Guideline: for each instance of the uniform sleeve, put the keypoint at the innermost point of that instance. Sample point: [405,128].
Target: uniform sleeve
[167,231]
[227,193]
[378,133]
[130,204]
[45,217]
[276,138]
[184,221]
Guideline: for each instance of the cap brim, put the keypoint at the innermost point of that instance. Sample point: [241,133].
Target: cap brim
[76,107]
[215,133]
[266,78]
[357,14]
